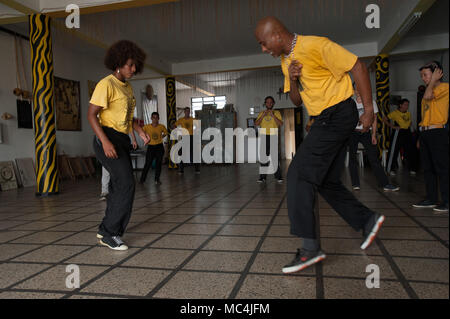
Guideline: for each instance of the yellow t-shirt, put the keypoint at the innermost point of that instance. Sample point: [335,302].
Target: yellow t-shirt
[324,75]
[402,119]
[117,102]
[268,122]
[188,124]
[435,111]
[155,133]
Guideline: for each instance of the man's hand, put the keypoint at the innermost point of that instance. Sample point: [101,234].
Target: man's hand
[295,70]
[144,137]
[366,120]
[437,75]
[134,144]
[109,149]
[374,139]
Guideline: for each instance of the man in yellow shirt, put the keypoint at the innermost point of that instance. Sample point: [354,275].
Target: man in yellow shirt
[187,122]
[155,149]
[267,120]
[401,138]
[316,74]
[434,137]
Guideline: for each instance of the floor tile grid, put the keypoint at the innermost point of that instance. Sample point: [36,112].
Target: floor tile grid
[255,252]
[77,291]
[75,219]
[61,262]
[401,277]
[187,260]
[414,219]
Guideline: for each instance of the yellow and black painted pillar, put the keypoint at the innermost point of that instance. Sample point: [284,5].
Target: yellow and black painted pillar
[171,104]
[383,94]
[47,180]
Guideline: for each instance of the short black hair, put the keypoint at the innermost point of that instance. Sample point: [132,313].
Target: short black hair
[403,101]
[269,97]
[432,66]
[118,54]
[155,113]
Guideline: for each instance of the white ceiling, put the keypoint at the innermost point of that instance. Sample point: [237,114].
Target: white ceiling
[193,30]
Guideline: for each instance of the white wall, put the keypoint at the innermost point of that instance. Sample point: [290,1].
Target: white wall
[19,143]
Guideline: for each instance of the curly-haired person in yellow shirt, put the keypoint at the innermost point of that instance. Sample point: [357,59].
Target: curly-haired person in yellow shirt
[110,115]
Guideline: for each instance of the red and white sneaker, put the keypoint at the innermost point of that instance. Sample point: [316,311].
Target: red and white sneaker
[302,260]
[371,230]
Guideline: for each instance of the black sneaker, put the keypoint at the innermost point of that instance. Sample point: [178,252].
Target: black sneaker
[280,180]
[390,188]
[426,203]
[302,260]
[371,229]
[157,183]
[114,242]
[356,187]
[261,180]
[442,208]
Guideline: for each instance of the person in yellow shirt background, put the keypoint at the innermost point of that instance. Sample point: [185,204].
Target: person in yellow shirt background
[401,138]
[187,122]
[433,139]
[155,149]
[110,115]
[317,74]
[266,120]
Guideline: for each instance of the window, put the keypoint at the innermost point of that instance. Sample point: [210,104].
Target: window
[198,102]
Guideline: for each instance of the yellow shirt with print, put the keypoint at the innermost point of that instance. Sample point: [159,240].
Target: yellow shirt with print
[188,124]
[117,102]
[324,75]
[268,122]
[435,111]
[155,133]
[402,119]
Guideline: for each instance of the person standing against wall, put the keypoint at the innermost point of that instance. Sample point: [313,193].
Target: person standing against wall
[269,121]
[433,139]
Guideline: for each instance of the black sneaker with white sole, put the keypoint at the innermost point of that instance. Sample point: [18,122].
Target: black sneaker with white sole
[371,229]
[426,203]
[114,242]
[302,260]
[261,180]
[442,208]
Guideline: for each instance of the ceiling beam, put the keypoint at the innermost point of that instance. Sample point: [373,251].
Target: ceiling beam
[61,25]
[422,6]
[110,7]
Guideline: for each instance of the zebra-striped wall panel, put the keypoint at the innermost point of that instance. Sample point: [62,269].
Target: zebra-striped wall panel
[47,181]
[382,86]
[171,103]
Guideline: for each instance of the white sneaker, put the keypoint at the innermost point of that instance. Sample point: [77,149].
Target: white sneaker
[114,242]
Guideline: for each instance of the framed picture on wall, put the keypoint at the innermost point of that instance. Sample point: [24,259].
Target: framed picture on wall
[67,105]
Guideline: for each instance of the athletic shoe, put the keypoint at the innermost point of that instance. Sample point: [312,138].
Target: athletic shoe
[442,208]
[280,180]
[99,236]
[425,204]
[103,196]
[261,180]
[392,173]
[356,187]
[412,173]
[371,229]
[157,183]
[390,188]
[302,260]
[114,242]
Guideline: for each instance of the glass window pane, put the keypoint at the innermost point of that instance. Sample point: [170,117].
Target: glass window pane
[196,99]
[208,99]
[220,98]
